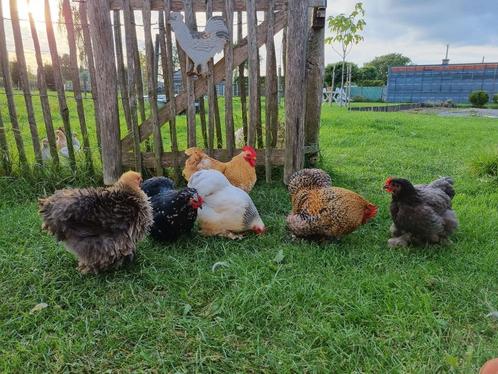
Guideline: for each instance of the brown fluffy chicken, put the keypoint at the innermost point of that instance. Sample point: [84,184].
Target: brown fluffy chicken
[320,211]
[101,226]
[240,170]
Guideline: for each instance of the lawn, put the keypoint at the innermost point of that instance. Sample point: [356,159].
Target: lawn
[355,306]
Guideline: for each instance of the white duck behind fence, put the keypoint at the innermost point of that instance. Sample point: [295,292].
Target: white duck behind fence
[200,47]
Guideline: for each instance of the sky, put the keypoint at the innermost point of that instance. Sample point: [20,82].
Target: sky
[420,29]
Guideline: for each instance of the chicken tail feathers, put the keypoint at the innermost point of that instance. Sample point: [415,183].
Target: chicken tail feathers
[445,184]
[369,212]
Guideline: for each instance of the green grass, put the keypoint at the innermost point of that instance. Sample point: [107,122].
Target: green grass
[356,306]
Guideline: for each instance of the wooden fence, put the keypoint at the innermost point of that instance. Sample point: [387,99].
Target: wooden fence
[111,47]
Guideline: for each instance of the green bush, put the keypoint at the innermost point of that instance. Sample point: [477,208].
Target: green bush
[495,99]
[371,83]
[479,98]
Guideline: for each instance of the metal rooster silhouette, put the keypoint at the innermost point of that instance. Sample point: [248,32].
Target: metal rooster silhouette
[200,46]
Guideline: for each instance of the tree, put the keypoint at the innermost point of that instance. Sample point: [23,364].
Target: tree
[49,76]
[65,67]
[355,72]
[15,73]
[382,63]
[346,31]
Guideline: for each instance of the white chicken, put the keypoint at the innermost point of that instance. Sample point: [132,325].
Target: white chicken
[200,46]
[227,211]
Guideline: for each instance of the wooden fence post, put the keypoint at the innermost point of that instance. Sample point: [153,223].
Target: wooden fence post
[42,88]
[59,84]
[229,128]
[4,148]
[314,83]
[101,33]
[4,61]
[253,73]
[23,71]
[295,83]
[75,78]
[242,82]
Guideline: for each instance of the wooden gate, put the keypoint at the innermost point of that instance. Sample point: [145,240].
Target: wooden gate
[303,58]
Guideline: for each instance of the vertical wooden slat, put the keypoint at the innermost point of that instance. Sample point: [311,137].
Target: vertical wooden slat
[284,53]
[4,60]
[75,77]
[202,115]
[42,88]
[242,82]
[190,21]
[87,41]
[253,72]
[170,89]
[138,70]
[259,125]
[210,91]
[23,71]
[132,81]
[314,87]
[149,57]
[101,32]
[229,128]
[4,147]
[217,120]
[295,83]
[122,80]
[271,90]
[59,84]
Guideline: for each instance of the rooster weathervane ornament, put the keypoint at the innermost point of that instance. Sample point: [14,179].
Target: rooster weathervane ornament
[200,46]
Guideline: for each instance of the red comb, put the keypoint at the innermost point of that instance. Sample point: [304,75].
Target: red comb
[248,148]
[388,180]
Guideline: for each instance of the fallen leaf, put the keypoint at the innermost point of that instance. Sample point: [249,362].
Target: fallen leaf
[279,258]
[38,307]
[220,264]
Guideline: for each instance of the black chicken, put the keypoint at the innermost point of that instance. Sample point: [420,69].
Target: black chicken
[174,211]
[422,214]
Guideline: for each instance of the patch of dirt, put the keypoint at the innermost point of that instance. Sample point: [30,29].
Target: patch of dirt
[459,112]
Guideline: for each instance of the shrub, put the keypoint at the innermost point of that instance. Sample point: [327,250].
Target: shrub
[479,98]
[358,99]
[371,83]
[495,99]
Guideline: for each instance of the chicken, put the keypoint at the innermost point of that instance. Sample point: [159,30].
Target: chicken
[45,151]
[421,214]
[320,211]
[200,46]
[61,141]
[174,211]
[240,170]
[101,226]
[227,210]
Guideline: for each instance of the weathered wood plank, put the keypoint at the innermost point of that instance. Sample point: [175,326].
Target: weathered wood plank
[253,72]
[218,5]
[75,78]
[23,72]
[87,42]
[191,126]
[210,91]
[239,54]
[229,127]
[7,81]
[59,84]
[242,82]
[171,92]
[130,35]
[295,83]
[101,32]
[220,154]
[217,120]
[122,78]
[42,88]
[314,87]
[271,94]
[152,88]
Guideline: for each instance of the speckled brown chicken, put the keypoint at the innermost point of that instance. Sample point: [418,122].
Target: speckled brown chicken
[101,226]
[320,211]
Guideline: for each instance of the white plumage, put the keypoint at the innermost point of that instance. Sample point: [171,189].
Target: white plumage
[200,46]
[227,210]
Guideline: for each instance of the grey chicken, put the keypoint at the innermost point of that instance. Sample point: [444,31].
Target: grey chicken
[101,226]
[421,214]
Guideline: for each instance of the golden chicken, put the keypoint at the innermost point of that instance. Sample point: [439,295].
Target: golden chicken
[240,170]
[320,211]
[101,226]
